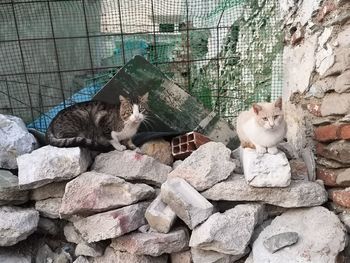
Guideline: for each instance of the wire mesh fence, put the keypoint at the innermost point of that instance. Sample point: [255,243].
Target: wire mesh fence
[53,53]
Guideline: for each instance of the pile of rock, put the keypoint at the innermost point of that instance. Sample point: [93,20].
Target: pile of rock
[67,205]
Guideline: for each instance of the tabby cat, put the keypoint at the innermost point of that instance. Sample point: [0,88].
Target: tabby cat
[262,127]
[98,125]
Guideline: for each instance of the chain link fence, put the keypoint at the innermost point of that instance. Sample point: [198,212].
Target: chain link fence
[54,53]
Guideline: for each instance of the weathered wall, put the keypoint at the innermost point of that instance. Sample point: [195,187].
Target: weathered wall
[316,88]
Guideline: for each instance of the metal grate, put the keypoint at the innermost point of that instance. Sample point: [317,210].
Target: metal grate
[54,53]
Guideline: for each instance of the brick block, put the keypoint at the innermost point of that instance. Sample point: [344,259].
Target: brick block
[326,133]
[341,197]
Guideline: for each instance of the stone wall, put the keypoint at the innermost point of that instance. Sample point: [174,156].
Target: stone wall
[316,88]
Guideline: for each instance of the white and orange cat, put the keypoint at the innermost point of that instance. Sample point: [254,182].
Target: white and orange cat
[262,127]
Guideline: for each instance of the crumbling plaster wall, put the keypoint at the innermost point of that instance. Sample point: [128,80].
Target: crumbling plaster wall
[316,63]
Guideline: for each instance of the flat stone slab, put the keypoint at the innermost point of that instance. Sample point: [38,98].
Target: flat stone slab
[9,190]
[160,216]
[113,223]
[93,192]
[297,194]
[321,237]
[185,201]
[152,243]
[208,165]
[265,170]
[279,241]
[16,224]
[51,164]
[132,166]
[228,232]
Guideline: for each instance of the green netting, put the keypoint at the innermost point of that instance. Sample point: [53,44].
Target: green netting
[227,53]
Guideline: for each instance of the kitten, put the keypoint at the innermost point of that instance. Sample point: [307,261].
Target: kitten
[98,125]
[262,127]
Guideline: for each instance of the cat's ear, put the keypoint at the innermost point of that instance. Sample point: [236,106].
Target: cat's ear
[144,98]
[256,108]
[278,103]
[122,99]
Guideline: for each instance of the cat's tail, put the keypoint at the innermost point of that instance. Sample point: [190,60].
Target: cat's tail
[68,142]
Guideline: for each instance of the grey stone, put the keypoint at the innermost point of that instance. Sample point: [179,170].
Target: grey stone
[15,140]
[14,255]
[337,151]
[113,223]
[72,235]
[181,257]
[9,190]
[341,100]
[16,224]
[325,59]
[345,218]
[49,164]
[208,165]
[228,232]
[49,207]
[185,201]
[89,249]
[324,120]
[321,237]
[343,35]
[152,243]
[267,170]
[343,177]
[342,62]
[81,259]
[48,226]
[281,240]
[342,83]
[329,163]
[93,192]
[144,228]
[111,255]
[321,87]
[208,256]
[309,159]
[52,190]
[132,166]
[297,194]
[345,119]
[288,150]
[160,216]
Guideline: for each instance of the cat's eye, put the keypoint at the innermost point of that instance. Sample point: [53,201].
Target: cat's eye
[275,117]
[265,119]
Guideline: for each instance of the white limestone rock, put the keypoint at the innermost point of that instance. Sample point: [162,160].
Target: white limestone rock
[228,232]
[93,192]
[51,190]
[16,224]
[181,257]
[160,216]
[112,256]
[152,243]
[208,165]
[49,164]
[89,249]
[132,166]
[9,190]
[113,223]
[297,194]
[208,256]
[321,237]
[15,140]
[265,170]
[49,207]
[81,259]
[15,255]
[185,201]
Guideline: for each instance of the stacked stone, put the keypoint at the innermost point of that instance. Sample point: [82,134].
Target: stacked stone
[68,204]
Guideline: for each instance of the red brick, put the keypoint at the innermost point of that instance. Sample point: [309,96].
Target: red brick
[341,197]
[345,132]
[314,109]
[328,176]
[326,8]
[327,133]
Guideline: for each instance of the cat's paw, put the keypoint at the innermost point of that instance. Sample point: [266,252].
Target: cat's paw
[119,147]
[260,150]
[272,150]
[138,150]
